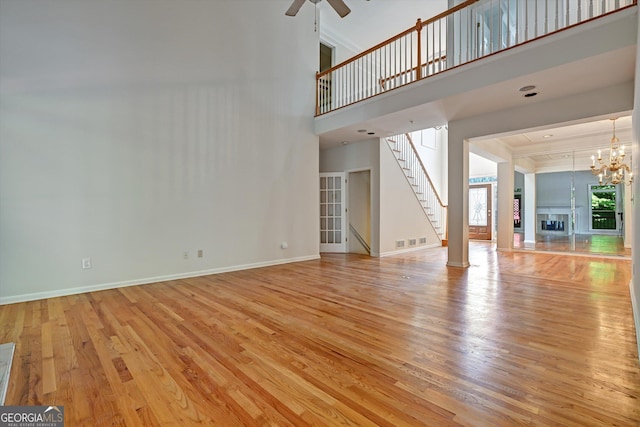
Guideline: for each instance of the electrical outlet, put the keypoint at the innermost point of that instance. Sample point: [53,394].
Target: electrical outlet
[185,255]
[200,253]
[86,263]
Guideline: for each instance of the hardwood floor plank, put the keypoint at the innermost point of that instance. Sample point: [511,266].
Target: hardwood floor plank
[515,339]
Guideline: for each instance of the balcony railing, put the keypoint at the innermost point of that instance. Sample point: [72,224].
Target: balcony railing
[465,33]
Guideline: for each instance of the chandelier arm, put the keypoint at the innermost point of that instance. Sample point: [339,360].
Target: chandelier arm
[614,171]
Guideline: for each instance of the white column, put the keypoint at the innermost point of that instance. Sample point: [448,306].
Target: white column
[628,216]
[505,206]
[530,209]
[458,195]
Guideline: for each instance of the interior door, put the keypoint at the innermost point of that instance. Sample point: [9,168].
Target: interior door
[333,236]
[480,212]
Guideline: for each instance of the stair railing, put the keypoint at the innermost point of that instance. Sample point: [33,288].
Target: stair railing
[416,173]
[360,239]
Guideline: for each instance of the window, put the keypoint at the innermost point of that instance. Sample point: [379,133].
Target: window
[603,207]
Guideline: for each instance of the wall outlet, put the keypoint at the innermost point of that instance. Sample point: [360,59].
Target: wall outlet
[200,253]
[284,245]
[185,255]
[86,263]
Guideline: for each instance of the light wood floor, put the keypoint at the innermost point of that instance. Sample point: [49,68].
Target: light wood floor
[516,339]
[582,244]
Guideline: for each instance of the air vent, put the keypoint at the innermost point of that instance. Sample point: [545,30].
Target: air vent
[399,243]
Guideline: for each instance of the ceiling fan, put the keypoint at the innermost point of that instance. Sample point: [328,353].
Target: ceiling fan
[338,5]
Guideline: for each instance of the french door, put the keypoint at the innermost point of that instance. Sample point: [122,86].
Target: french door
[333,236]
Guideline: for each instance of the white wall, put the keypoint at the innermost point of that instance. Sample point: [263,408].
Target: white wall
[396,213]
[132,132]
[480,167]
[359,214]
[553,190]
[401,215]
[353,157]
[431,145]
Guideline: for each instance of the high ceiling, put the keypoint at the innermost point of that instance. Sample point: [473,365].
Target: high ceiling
[562,148]
[373,21]
[568,147]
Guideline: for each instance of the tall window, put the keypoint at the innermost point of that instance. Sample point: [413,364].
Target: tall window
[603,207]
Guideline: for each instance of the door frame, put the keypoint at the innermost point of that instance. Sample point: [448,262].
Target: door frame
[333,210]
[352,244]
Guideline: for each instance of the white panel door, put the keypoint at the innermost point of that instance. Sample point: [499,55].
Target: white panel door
[333,236]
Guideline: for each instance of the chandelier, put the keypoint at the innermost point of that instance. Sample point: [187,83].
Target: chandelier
[615,171]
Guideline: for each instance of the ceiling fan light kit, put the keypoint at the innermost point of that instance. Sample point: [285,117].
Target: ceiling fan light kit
[338,5]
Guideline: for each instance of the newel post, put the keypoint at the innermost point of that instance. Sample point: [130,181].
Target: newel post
[317,94]
[419,56]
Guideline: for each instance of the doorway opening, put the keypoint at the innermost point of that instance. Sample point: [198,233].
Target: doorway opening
[324,88]
[326,57]
[359,212]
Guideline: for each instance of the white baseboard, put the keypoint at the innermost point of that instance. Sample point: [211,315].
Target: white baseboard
[143,281]
[458,264]
[636,314]
[411,249]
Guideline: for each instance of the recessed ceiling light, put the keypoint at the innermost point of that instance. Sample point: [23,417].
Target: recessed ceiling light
[530,94]
[527,88]
[549,135]
[345,142]
[371,133]
[362,130]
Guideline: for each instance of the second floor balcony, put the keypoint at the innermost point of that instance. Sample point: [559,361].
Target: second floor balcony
[466,33]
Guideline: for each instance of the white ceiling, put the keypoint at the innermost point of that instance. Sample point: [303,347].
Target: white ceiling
[568,147]
[371,22]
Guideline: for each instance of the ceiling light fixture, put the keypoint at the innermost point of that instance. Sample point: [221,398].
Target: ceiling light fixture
[616,171]
[527,88]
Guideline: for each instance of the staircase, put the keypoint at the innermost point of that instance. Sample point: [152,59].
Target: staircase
[417,176]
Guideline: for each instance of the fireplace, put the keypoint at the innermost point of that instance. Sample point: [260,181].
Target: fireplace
[553,221]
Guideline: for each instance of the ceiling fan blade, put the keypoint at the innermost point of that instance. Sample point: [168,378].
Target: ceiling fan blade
[340,7]
[294,8]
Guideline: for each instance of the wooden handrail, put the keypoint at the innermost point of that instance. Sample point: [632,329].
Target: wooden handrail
[416,27]
[366,52]
[402,73]
[418,31]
